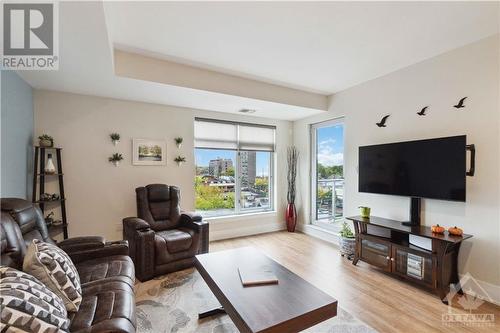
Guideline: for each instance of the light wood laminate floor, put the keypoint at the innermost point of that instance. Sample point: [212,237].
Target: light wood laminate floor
[381,301]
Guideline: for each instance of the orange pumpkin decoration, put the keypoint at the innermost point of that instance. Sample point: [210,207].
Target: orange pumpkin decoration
[455,231]
[437,229]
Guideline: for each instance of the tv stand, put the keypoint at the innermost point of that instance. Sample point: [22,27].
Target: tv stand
[385,244]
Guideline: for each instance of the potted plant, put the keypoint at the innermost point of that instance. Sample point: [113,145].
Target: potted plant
[180,159]
[178,141]
[115,137]
[347,241]
[291,211]
[115,159]
[45,140]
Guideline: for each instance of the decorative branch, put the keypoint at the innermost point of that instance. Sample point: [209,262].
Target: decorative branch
[292,160]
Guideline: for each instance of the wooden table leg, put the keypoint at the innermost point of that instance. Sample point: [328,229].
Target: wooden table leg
[355,259]
[211,312]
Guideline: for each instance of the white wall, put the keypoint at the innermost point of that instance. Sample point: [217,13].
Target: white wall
[440,82]
[99,195]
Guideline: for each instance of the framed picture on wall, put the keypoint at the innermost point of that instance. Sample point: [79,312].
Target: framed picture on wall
[149,152]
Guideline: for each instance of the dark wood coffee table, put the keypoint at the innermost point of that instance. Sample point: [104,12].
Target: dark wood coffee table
[292,305]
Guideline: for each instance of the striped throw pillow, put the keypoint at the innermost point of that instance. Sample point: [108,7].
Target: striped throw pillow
[54,268]
[29,306]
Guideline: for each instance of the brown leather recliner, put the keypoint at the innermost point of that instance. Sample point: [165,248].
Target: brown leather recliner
[106,271]
[162,238]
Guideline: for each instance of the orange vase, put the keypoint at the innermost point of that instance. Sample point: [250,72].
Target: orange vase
[291,217]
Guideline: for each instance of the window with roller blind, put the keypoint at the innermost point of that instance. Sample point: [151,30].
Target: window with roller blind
[234,167]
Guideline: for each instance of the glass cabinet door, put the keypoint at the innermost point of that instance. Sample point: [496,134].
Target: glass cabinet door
[414,265]
[376,252]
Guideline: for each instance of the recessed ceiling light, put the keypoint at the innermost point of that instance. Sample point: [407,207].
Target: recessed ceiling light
[247,111]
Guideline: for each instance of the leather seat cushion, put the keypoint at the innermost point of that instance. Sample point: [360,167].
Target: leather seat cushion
[178,240]
[118,268]
[106,307]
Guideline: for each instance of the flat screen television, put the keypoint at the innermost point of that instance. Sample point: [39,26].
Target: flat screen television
[433,168]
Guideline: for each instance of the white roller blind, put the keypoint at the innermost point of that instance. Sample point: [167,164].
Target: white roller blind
[256,138]
[213,134]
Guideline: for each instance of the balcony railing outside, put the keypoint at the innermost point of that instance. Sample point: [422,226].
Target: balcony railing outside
[330,200]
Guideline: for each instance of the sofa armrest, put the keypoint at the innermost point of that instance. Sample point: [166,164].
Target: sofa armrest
[108,249]
[134,223]
[193,216]
[82,243]
[194,221]
[142,247]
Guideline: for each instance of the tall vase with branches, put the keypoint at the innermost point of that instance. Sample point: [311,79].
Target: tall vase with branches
[291,211]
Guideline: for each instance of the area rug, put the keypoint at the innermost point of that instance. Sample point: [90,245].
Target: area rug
[170,304]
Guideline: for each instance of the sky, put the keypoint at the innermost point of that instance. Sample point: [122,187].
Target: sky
[203,156]
[330,145]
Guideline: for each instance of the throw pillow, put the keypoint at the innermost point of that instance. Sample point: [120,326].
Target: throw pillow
[29,306]
[54,268]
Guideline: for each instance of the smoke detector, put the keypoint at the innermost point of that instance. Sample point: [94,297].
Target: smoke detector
[246,111]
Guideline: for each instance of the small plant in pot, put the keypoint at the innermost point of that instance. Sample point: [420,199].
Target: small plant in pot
[178,141]
[115,159]
[347,241]
[115,137]
[179,160]
[45,140]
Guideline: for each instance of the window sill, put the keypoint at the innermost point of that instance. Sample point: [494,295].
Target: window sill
[321,233]
[333,228]
[323,229]
[216,219]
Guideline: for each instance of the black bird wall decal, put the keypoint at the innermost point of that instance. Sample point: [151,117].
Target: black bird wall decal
[460,103]
[383,121]
[422,112]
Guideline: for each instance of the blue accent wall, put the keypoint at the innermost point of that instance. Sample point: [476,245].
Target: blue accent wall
[17,136]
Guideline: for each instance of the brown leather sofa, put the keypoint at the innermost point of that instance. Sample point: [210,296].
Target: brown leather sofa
[106,271]
[162,238]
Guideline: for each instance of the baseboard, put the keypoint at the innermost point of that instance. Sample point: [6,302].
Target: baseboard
[241,231]
[491,290]
[320,233]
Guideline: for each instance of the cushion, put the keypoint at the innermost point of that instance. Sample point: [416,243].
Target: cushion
[158,192]
[29,306]
[178,240]
[96,270]
[54,268]
[160,210]
[106,307]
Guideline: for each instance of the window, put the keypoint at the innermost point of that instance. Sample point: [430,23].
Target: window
[327,173]
[234,167]
[255,185]
[215,182]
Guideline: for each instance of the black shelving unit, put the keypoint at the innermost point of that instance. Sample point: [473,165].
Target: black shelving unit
[39,182]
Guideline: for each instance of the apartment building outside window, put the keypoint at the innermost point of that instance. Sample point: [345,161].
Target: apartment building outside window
[234,167]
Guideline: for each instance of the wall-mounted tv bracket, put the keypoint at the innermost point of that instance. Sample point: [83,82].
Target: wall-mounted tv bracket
[472,168]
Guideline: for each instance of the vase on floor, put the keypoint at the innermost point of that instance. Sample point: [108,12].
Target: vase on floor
[291,217]
[292,155]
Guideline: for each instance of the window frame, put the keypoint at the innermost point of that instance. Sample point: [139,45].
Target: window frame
[238,210]
[313,220]
[244,211]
